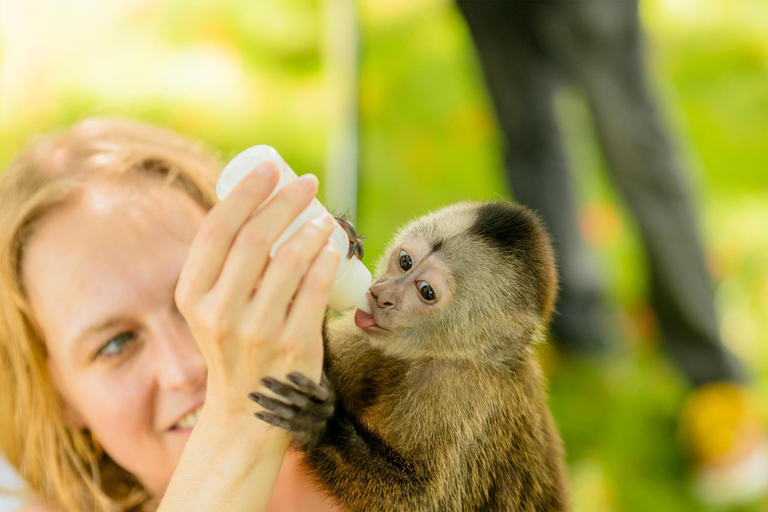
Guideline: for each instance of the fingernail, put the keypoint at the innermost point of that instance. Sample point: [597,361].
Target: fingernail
[323,220]
[307,182]
[266,170]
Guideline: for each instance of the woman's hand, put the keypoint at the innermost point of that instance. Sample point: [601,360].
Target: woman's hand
[244,334]
[232,459]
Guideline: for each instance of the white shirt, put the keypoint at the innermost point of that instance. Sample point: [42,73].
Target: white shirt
[9,480]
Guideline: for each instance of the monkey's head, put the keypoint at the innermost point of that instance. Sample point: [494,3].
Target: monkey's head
[467,279]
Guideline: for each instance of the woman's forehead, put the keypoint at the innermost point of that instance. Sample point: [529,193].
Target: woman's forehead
[112,249]
[109,220]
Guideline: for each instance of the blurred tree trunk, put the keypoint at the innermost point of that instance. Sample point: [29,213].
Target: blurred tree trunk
[340,51]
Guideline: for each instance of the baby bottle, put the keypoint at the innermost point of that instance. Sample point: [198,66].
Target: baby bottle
[353,279]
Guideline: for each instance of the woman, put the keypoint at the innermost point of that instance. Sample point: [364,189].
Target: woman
[128,300]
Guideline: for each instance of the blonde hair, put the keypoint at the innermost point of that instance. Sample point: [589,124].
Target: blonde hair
[58,461]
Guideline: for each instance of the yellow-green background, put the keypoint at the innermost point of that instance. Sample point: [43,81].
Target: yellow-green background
[236,73]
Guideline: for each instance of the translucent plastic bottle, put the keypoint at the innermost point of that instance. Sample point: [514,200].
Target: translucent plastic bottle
[353,279]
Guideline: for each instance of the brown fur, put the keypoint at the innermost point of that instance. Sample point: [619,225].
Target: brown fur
[450,414]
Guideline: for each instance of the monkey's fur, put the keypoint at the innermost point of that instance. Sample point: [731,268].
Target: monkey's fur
[446,410]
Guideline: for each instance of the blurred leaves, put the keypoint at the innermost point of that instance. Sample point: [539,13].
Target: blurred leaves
[235,73]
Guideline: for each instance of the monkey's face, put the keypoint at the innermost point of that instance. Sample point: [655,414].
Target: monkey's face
[416,285]
[470,277]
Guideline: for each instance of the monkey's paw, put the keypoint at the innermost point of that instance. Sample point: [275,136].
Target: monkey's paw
[355,242]
[304,411]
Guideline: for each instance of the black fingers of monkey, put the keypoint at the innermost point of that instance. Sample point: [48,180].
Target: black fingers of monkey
[355,242]
[304,407]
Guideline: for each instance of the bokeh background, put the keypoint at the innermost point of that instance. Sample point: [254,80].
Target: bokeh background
[235,73]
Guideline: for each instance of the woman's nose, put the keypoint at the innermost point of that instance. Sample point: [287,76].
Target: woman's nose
[178,361]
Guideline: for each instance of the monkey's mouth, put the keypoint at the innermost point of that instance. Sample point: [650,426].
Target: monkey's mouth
[365,321]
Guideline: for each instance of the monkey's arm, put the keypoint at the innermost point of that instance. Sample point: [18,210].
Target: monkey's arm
[352,461]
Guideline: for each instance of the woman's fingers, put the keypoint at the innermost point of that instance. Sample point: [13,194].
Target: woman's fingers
[211,244]
[249,253]
[284,273]
[305,319]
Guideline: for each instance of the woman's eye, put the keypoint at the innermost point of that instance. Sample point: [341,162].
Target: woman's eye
[116,345]
[426,291]
[405,261]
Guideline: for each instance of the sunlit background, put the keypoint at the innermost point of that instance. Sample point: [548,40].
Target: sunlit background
[234,73]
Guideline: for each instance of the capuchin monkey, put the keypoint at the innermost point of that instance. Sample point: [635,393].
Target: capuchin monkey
[435,401]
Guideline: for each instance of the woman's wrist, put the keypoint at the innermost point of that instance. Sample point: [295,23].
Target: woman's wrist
[230,463]
[229,414]
[227,401]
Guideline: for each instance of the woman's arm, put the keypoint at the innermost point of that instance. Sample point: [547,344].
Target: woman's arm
[226,466]
[231,460]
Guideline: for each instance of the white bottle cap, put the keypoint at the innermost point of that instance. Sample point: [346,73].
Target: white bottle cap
[245,162]
[351,286]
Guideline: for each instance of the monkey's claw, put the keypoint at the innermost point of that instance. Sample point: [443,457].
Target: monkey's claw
[355,242]
[304,407]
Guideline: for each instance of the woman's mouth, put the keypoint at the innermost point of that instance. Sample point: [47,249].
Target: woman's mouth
[189,421]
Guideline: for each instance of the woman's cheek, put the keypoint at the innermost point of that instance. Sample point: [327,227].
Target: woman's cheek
[118,409]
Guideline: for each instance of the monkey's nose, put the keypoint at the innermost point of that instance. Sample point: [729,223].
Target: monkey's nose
[383,296]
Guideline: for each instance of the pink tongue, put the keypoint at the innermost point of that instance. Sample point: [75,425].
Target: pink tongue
[363,319]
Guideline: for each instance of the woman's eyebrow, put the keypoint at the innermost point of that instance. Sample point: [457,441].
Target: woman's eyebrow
[97,327]
[111,321]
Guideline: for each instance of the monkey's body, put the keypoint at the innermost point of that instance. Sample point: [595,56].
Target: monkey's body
[446,412]
[449,436]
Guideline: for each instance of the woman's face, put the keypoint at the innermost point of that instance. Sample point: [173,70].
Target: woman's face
[100,274]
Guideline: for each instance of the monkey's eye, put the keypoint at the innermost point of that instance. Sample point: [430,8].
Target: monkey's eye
[405,261]
[426,291]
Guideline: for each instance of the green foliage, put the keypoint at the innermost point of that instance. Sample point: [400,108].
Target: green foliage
[234,73]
